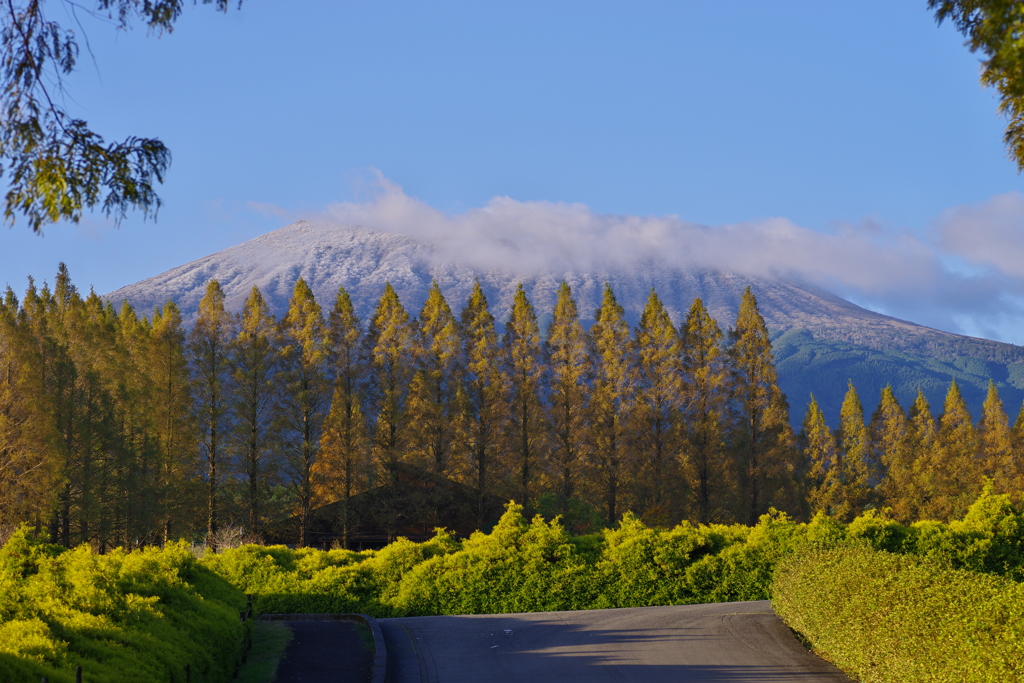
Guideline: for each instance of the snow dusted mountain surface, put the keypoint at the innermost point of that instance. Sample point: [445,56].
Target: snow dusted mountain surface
[821,340]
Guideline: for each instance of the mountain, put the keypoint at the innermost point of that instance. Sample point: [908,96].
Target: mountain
[821,340]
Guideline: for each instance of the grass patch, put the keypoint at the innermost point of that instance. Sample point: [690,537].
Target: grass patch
[365,637]
[269,640]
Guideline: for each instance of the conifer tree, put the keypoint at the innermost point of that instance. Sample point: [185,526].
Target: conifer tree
[254,365]
[611,400]
[854,456]
[389,340]
[762,439]
[171,408]
[887,433]
[305,395]
[27,468]
[89,340]
[63,310]
[92,344]
[209,344]
[487,398]
[947,474]
[344,448]
[138,468]
[59,381]
[110,363]
[1016,477]
[522,364]
[824,485]
[705,380]
[906,495]
[570,369]
[656,413]
[435,401]
[996,444]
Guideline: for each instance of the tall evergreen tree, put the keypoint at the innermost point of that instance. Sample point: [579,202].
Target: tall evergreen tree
[887,433]
[389,340]
[171,408]
[27,467]
[435,401]
[66,320]
[824,485]
[922,433]
[947,473]
[522,364]
[209,344]
[487,398]
[111,363]
[255,360]
[1017,457]
[344,448]
[611,400]
[138,477]
[705,382]
[59,380]
[854,455]
[656,413]
[997,455]
[569,367]
[91,343]
[762,439]
[304,397]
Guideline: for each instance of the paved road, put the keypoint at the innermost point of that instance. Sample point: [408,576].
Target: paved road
[738,642]
[325,652]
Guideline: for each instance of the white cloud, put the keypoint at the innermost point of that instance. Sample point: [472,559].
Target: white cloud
[966,275]
[990,234]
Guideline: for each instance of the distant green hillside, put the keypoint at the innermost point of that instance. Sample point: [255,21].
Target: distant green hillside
[808,364]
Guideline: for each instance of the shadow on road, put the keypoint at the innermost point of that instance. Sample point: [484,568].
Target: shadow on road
[735,642]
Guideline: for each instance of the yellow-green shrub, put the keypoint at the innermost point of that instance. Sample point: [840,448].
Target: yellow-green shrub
[533,565]
[891,618]
[123,616]
[519,567]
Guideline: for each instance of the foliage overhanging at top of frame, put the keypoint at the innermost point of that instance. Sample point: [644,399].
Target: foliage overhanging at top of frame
[996,28]
[54,165]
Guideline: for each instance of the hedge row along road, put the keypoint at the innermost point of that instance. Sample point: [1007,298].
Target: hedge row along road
[738,642]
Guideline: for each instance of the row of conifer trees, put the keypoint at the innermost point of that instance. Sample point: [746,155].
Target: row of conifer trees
[121,430]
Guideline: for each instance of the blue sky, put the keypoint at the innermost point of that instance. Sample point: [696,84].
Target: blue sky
[850,122]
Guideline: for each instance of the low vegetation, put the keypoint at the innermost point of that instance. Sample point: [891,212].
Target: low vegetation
[887,618]
[269,641]
[535,565]
[151,614]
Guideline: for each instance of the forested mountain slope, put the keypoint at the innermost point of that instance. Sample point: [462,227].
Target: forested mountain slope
[821,340]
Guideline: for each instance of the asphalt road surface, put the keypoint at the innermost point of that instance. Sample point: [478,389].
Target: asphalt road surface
[737,642]
[325,652]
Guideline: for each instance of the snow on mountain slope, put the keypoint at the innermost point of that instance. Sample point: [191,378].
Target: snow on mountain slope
[837,339]
[361,260]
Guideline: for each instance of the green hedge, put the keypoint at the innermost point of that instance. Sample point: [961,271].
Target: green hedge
[522,566]
[887,618]
[145,615]
[124,616]
[535,565]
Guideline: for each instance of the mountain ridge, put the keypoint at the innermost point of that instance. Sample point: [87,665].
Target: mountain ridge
[330,255]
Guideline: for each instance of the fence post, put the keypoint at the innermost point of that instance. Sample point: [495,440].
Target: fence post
[188,673]
[78,674]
